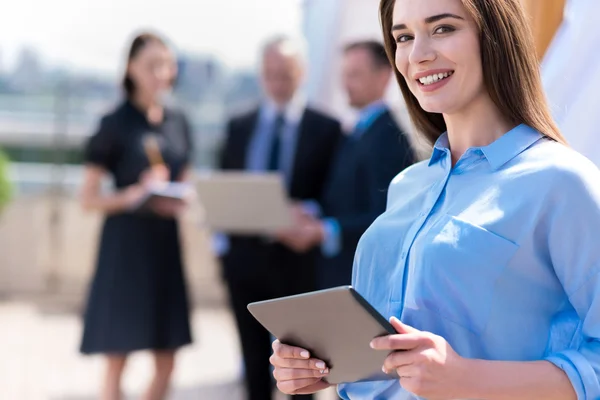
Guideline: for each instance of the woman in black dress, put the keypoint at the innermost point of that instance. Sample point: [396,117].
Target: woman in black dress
[138,298]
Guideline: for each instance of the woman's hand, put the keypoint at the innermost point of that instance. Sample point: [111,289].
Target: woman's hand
[296,372]
[167,208]
[306,232]
[427,365]
[133,194]
[155,174]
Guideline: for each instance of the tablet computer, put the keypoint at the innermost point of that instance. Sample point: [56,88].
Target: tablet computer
[335,325]
[244,203]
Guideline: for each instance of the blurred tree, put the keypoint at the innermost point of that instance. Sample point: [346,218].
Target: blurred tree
[5,185]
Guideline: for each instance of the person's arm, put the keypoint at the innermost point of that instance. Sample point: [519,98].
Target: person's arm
[430,368]
[572,242]
[570,235]
[92,198]
[100,155]
[503,380]
[383,156]
[312,227]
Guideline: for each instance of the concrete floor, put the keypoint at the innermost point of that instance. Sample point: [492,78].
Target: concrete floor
[44,280]
[39,358]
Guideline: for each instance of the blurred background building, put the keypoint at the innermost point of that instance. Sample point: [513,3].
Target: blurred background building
[60,64]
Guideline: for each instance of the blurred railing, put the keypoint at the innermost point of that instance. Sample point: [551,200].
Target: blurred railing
[47,243]
[48,246]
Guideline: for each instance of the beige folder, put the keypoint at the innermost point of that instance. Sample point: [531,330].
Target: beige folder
[244,203]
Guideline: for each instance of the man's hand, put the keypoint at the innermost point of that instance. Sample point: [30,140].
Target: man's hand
[306,233]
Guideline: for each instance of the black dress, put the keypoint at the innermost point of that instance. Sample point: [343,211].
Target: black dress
[138,297]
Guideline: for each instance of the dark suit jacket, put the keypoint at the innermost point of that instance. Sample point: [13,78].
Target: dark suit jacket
[357,187]
[318,136]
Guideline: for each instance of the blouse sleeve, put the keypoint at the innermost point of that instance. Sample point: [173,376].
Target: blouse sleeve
[101,149]
[573,227]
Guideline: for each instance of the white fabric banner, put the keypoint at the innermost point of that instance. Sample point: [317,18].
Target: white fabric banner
[571,76]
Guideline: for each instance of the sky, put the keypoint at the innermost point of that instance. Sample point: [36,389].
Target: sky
[94,34]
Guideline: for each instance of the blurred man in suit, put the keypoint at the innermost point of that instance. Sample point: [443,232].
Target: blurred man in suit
[366,162]
[286,136]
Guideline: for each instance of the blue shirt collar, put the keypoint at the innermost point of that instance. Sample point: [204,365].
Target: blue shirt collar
[499,152]
[440,148]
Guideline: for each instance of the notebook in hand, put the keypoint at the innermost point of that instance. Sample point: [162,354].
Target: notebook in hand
[335,325]
[175,191]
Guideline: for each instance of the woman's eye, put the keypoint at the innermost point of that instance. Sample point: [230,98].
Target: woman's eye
[403,38]
[444,29]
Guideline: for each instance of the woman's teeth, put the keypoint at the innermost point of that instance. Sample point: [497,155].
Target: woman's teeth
[428,80]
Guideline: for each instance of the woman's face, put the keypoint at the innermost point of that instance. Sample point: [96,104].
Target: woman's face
[438,53]
[153,70]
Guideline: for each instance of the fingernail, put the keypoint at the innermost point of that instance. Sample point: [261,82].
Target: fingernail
[324,371]
[372,344]
[320,365]
[305,354]
[384,370]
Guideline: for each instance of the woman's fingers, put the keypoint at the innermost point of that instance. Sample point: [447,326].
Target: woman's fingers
[295,374]
[404,341]
[301,386]
[285,351]
[312,363]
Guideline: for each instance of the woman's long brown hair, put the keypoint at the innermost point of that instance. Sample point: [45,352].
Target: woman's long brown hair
[510,68]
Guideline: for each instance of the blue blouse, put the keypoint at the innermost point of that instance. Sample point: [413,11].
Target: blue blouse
[499,255]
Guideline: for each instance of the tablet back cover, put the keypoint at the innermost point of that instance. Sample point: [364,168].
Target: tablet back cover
[335,325]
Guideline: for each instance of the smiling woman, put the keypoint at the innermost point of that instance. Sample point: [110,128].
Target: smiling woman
[502,54]
[474,260]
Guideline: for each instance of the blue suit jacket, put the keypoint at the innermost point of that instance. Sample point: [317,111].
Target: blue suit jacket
[356,189]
